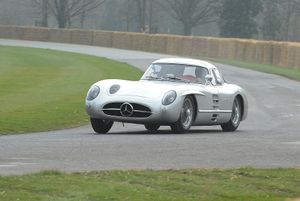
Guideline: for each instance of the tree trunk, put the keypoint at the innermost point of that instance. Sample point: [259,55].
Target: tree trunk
[187,29]
[128,16]
[150,16]
[141,10]
[44,13]
[143,20]
[62,13]
[288,21]
[82,18]
[62,21]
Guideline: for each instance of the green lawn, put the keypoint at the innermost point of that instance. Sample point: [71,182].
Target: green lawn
[45,90]
[215,185]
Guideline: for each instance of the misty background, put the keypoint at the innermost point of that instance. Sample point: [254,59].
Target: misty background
[257,19]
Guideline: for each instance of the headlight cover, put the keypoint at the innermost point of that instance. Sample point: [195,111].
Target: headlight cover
[93,93]
[169,97]
[114,88]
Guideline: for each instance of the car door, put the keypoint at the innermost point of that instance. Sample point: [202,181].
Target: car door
[224,106]
[208,104]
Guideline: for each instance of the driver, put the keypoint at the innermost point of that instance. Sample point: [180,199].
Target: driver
[200,74]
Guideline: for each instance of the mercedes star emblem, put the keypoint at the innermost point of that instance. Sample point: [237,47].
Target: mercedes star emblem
[126,109]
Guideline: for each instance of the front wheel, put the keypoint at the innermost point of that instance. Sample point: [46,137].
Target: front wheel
[101,126]
[152,127]
[186,117]
[235,119]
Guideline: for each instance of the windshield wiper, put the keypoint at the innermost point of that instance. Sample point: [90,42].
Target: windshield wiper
[176,78]
[149,77]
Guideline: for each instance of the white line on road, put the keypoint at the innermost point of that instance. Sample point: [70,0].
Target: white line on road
[6,166]
[14,164]
[294,143]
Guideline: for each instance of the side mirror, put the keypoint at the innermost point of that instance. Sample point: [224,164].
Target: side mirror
[219,81]
[208,79]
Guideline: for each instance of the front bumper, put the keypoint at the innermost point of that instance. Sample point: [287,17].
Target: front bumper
[160,114]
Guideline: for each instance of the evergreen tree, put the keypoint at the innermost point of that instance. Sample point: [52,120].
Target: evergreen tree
[237,18]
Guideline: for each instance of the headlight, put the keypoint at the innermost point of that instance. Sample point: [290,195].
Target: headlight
[114,88]
[93,93]
[169,97]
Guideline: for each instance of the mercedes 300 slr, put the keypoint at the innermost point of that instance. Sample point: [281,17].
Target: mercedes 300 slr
[176,92]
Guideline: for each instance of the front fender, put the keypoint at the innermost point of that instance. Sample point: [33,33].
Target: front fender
[192,92]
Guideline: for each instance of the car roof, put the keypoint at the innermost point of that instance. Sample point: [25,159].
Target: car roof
[186,61]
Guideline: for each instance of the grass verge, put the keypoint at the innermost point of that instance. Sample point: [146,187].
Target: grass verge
[277,70]
[181,185]
[45,90]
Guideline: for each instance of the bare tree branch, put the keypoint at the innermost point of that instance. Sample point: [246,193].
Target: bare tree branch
[66,10]
[192,13]
[43,10]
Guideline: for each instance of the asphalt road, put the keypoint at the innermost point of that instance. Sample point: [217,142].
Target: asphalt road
[270,137]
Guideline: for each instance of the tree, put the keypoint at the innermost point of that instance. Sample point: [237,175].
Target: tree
[141,11]
[291,8]
[65,10]
[237,18]
[43,7]
[192,13]
[140,14]
[271,20]
[144,11]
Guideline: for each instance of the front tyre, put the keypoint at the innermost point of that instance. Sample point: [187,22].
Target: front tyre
[152,127]
[186,117]
[235,119]
[101,126]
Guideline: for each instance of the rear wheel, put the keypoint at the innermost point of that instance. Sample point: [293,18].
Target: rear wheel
[235,119]
[186,117]
[152,127]
[101,126]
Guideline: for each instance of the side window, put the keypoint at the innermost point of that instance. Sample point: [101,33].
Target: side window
[200,73]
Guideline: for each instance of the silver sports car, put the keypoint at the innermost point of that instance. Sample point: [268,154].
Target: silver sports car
[177,92]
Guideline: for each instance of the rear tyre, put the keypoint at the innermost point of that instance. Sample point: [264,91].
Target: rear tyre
[186,117]
[235,119]
[101,126]
[152,127]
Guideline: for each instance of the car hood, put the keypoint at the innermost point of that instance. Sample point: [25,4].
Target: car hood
[146,89]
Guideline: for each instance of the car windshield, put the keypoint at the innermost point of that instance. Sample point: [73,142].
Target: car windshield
[175,72]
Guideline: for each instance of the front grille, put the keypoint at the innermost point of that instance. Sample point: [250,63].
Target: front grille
[113,105]
[139,107]
[139,111]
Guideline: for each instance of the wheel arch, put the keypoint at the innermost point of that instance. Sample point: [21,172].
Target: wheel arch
[193,96]
[242,102]
[183,127]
